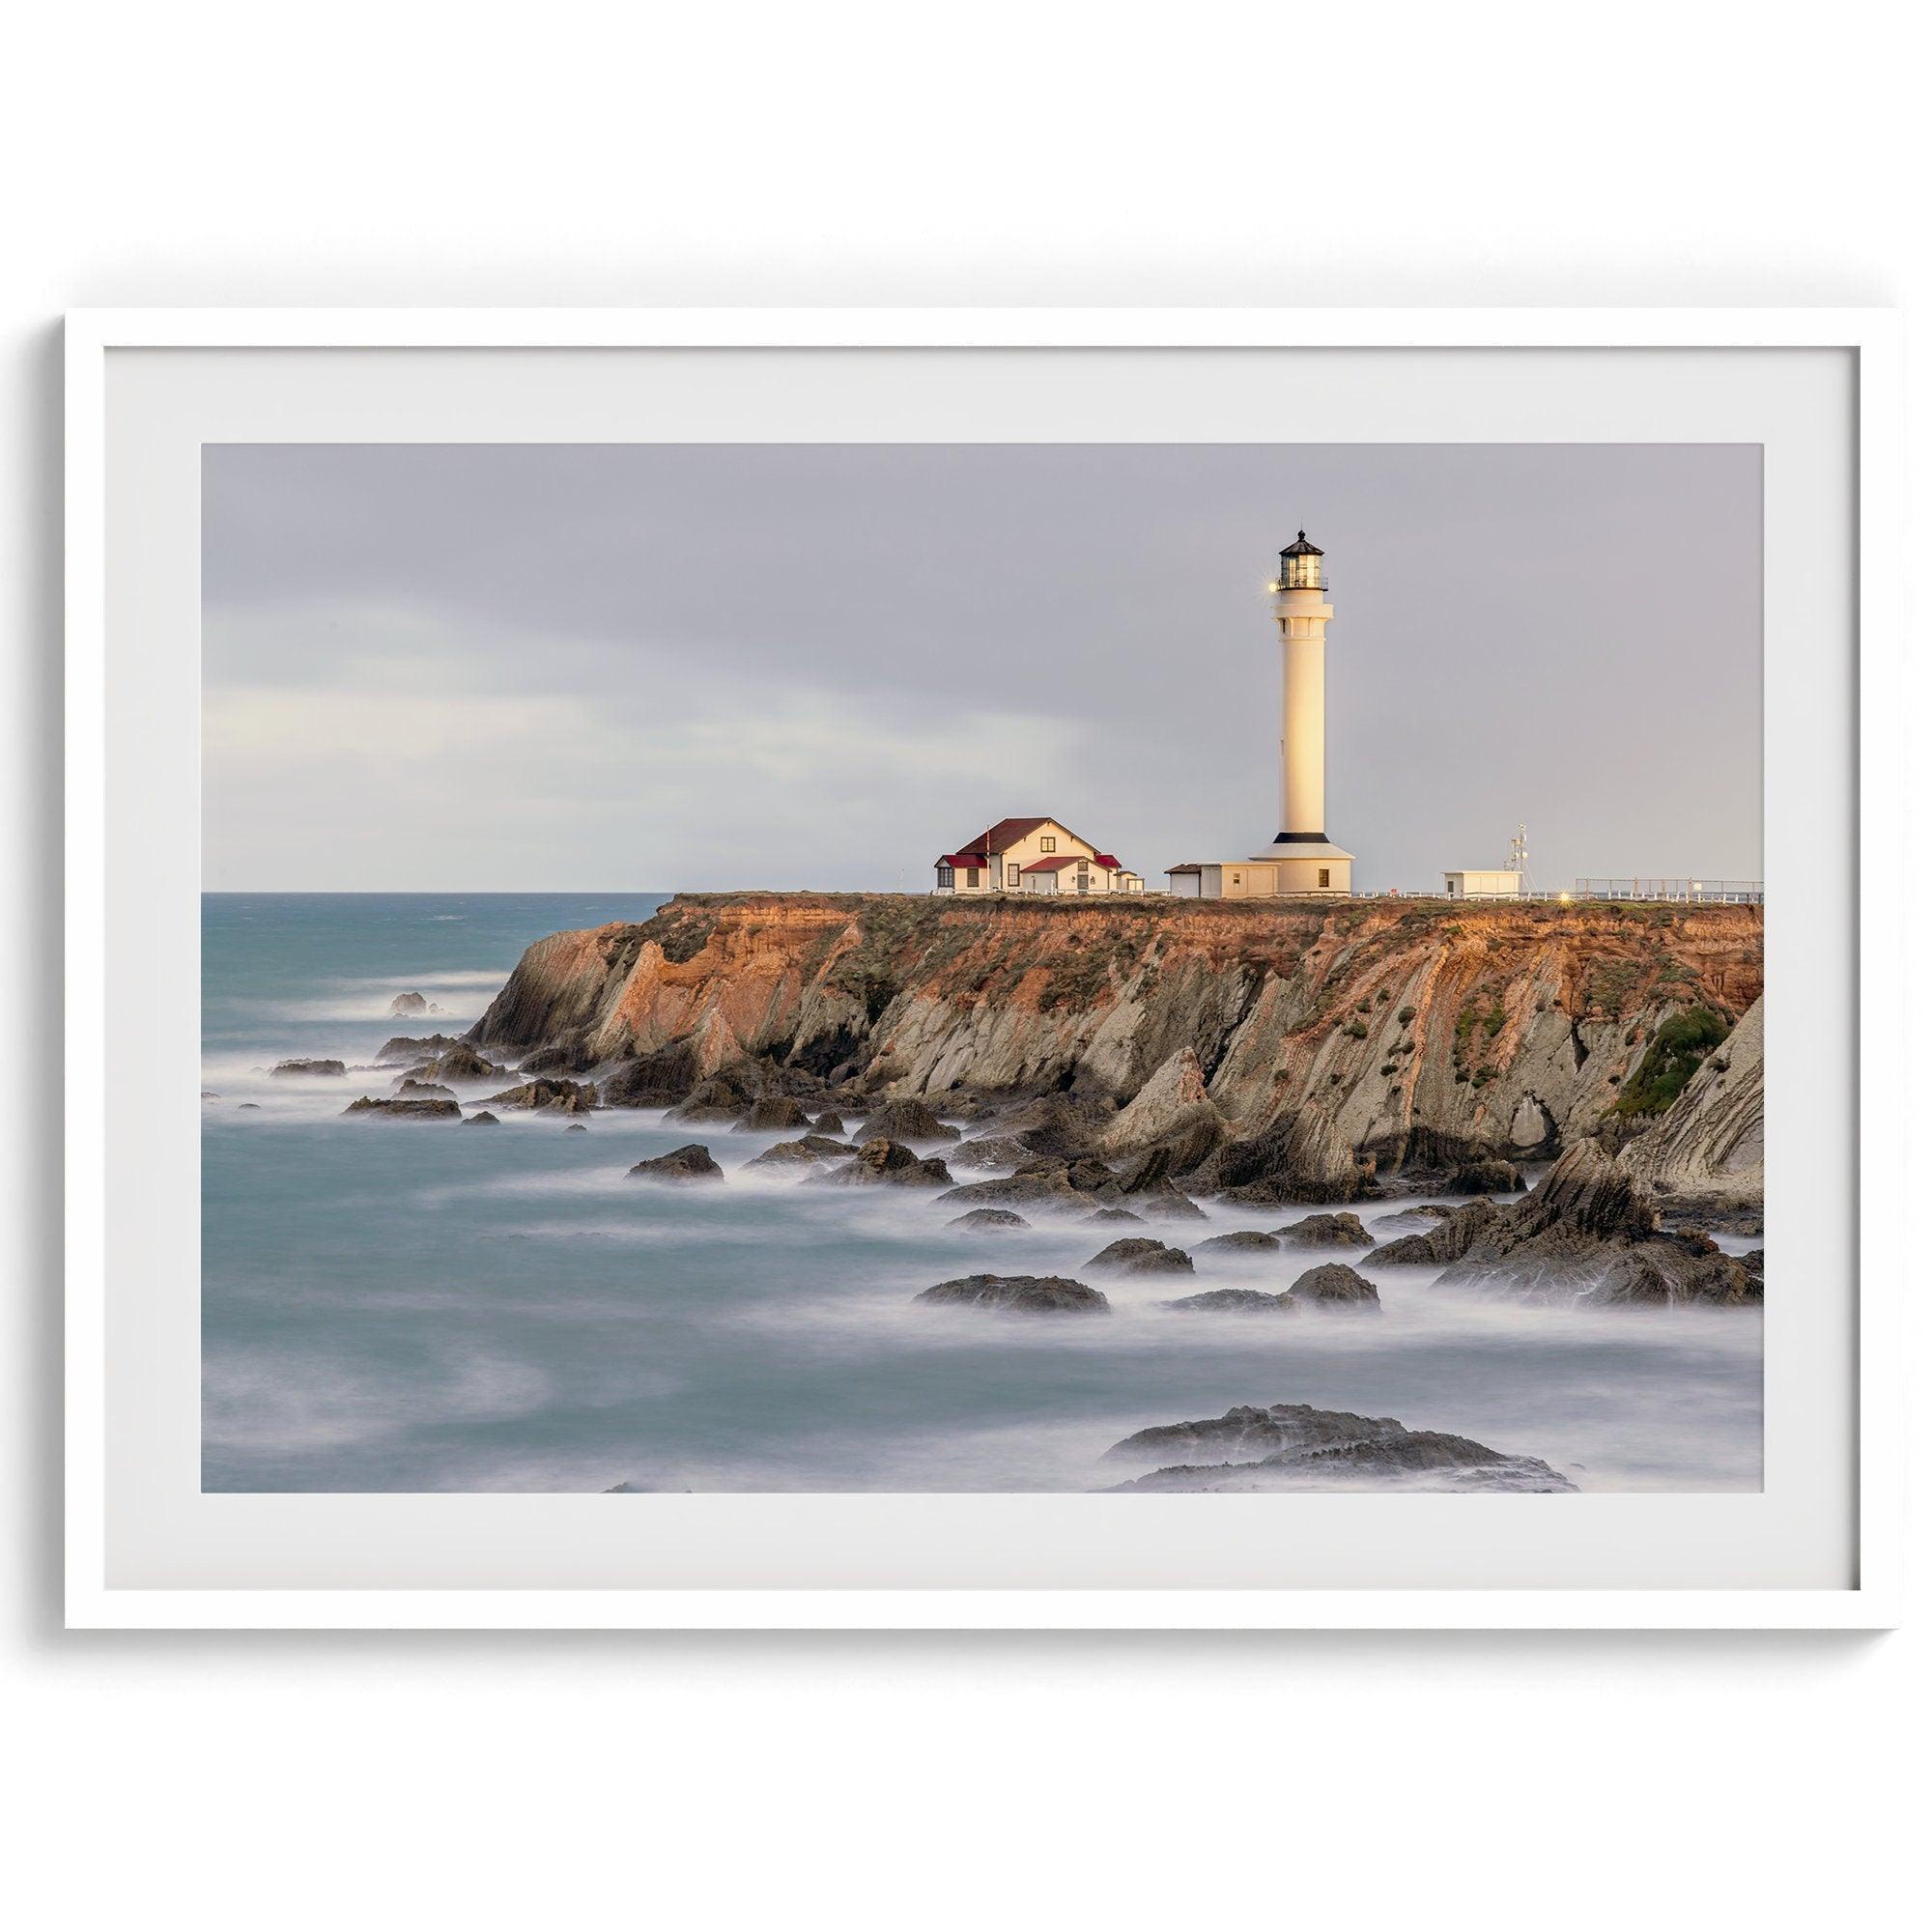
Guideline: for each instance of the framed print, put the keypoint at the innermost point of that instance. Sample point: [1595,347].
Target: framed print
[981,968]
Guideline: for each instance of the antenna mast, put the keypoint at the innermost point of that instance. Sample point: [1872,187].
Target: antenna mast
[1518,859]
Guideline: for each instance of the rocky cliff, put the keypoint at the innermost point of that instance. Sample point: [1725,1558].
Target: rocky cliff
[1707,1153]
[1379,1033]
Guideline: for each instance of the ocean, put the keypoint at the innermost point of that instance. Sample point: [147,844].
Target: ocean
[424,1306]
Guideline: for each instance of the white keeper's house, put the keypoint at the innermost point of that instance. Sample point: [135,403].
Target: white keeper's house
[1031,855]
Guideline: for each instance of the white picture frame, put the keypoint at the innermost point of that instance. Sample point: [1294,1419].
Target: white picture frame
[1870,1596]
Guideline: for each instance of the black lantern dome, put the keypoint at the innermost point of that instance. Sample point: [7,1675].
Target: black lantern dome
[1302,566]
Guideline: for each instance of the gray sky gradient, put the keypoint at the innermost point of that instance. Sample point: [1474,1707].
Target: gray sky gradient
[648,667]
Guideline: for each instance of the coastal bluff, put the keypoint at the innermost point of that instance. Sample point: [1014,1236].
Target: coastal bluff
[1373,1034]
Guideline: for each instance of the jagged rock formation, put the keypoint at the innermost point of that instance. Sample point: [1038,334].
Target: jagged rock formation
[309,1066]
[461,1065]
[681,1165]
[1172,1108]
[1590,1231]
[402,1048]
[885,1162]
[1708,1151]
[1302,1157]
[772,1114]
[1290,1446]
[1026,1294]
[907,1120]
[483,1120]
[1329,1042]
[549,1096]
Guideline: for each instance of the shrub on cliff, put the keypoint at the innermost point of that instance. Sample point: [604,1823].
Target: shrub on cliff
[1676,1051]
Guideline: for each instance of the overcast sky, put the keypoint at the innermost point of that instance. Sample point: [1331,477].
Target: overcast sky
[644,668]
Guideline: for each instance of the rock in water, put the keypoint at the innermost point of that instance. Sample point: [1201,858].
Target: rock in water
[402,1050]
[806,1151]
[1111,1215]
[1326,1231]
[1451,1238]
[993,1151]
[1167,1202]
[1486,1176]
[1244,1241]
[660,1079]
[461,1063]
[405,1110]
[1335,1284]
[1139,1256]
[1235,1301]
[989,1217]
[907,1120]
[829,1123]
[1412,1220]
[886,1161]
[483,1120]
[422,1090]
[1045,1185]
[1589,1231]
[681,1164]
[1294,1446]
[775,1111]
[406,1004]
[718,1099]
[316,1066]
[549,1096]
[577,1127]
[1025,1294]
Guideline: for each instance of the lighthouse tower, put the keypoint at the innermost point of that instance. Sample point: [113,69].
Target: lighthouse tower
[1300,859]
[1305,859]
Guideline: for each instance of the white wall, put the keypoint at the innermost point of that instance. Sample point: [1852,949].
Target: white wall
[1015,152]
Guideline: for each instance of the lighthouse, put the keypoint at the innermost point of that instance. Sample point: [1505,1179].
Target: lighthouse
[1300,857]
[1305,858]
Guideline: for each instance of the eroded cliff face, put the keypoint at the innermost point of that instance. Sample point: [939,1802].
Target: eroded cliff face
[1409,1031]
[1709,1149]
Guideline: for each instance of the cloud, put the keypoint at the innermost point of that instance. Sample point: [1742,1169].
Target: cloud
[410,764]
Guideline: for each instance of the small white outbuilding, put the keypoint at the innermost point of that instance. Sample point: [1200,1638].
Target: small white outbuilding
[1497,885]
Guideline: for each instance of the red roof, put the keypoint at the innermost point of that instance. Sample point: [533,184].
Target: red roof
[1009,832]
[1107,861]
[970,862]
